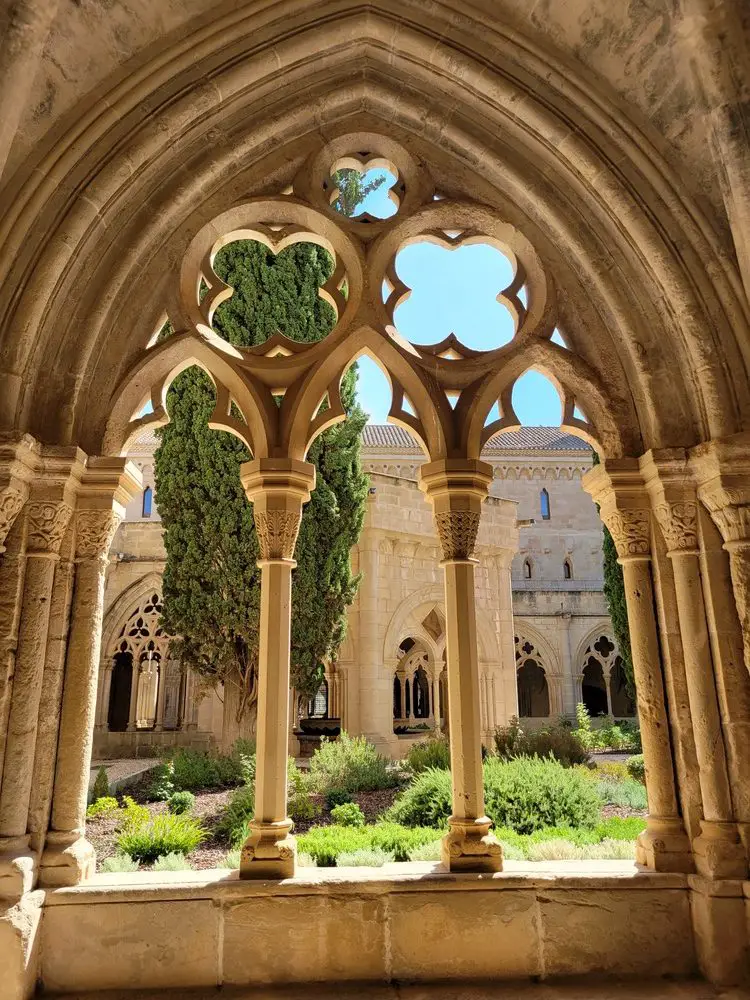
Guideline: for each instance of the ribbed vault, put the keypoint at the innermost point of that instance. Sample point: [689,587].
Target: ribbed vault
[97,222]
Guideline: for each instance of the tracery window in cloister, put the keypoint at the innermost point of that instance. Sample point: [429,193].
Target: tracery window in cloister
[604,687]
[533,690]
[146,687]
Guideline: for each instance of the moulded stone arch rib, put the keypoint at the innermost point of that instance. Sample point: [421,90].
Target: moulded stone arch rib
[629,213]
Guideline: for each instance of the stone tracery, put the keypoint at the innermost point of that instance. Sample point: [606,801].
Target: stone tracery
[651,300]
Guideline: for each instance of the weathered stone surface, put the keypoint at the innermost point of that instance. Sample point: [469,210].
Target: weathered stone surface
[130,945]
[616,933]
[457,935]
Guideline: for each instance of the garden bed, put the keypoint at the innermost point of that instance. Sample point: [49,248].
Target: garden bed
[353,807]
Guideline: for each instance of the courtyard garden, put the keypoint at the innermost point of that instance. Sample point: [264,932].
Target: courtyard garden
[545,795]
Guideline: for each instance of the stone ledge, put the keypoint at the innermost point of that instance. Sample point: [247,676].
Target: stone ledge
[394,878]
[404,923]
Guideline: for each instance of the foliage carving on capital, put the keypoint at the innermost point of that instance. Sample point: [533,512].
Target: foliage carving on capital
[277,532]
[11,502]
[457,531]
[94,532]
[679,525]
[47,523]
[630,530]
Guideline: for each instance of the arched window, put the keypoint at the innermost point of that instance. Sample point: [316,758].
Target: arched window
[544,503]
[567,570]
[527,569]
[533,692]
[148,499]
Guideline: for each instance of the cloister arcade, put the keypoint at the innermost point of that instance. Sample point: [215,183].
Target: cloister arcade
[627,232]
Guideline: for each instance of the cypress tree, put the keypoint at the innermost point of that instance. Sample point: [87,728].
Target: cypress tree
[211,587]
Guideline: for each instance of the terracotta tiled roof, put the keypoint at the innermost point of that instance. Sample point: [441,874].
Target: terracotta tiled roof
[385,436]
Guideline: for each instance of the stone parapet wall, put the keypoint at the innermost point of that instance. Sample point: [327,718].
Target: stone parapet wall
[402,922]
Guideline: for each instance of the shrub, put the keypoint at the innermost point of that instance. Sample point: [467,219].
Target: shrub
[365,857]
[524,794]
[162,785]
[425,802]
[509,740]
[325,843]
[171,863]
[163,834]
[305,860]
[348,814]
[626,794]
[553,850]
[106,807]
[237,814]
[181,802]
[558,741]
[132,814]
[299,785]
[617,828]
[119,863]
[426,852]
[399,840]
[511,852]
[609,770]
[529,793]
[636,768]
[350,764]
[337,797]
[617,850]
[434,752]
[101,785]
[194,770]
[230,860]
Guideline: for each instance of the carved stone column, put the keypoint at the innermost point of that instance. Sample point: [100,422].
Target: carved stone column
[456,489]
[722,470]
[718,850]
[12,569]
[107,487]
[618,489]
[48,512]
[277,488]
[19,458]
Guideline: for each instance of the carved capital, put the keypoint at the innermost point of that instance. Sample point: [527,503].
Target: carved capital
[95,530]
[457,530]
[277,532]
[11,502]
[630,530]
[47,523]
[679,525]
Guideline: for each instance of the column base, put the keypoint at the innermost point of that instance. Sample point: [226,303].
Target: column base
[470,847]
[17,872]
[68,859]
[664,846]
[719,852]
[269,851]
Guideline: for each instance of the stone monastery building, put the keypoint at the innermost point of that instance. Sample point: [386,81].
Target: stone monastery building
[560,651]
[602,148]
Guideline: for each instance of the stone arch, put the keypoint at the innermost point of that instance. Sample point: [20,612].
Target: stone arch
[701,324]
[398,627]
[550,656]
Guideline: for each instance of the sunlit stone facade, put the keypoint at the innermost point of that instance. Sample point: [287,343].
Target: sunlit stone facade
[538,666]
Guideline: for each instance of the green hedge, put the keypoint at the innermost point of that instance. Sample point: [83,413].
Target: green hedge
[526,794]
[325,843]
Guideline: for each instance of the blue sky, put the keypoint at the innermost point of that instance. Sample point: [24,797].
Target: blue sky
[453,291]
